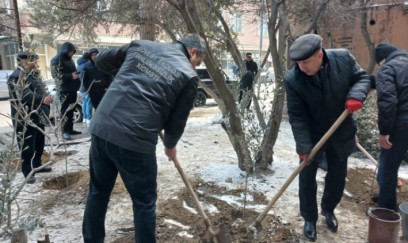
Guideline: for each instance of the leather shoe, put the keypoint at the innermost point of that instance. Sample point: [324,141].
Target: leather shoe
[73,132]
[331,221]
[66,136]
[45,169]
[310,230]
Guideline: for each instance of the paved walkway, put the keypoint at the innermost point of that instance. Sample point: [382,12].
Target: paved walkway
[7,132]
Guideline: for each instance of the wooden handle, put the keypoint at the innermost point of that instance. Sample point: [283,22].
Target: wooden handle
[366,153]
[192,193]
[302,165]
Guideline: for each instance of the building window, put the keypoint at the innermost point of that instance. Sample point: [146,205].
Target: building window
[236,22]
[263,25]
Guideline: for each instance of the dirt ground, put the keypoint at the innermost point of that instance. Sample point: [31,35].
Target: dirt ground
[210,164]
[179,212]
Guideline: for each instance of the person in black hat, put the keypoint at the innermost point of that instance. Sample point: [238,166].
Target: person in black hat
[392,103]
[95,81]
[27,93]
[319,87]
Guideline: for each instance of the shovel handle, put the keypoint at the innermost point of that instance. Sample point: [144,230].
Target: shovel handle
[197,203]
[302,165]
[195,199]
[366,153]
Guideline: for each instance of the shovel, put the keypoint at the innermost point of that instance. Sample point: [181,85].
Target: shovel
[366,153]
[257,223]
[215,233]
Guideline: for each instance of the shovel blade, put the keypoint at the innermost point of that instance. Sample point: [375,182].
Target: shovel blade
[220,235]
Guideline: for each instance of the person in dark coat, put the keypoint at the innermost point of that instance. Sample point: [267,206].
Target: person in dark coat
[66,77]
[250,64]
[28,93]
[392,103]
[96,81]
[154,89]
[86,99]
[245,85]
[319,87]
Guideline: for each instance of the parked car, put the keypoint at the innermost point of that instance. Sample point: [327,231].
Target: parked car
[202,95]
[55,112]
[4,92]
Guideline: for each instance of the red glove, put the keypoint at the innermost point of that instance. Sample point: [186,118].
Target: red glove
[303,157]
[352,105]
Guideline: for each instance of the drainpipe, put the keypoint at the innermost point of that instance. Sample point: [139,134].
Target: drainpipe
[18,27]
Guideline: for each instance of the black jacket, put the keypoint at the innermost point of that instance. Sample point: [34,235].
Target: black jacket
[314,105]
[62,67]
[251,66]
[31,93]
[154,89]
[99,86]
[392,90]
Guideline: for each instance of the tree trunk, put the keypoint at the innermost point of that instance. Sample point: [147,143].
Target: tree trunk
[264,156]
[232,121]
[147,20]
[366,35]
[316,16]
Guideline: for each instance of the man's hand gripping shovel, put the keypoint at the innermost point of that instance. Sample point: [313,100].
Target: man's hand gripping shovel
[256,225]
[215,234]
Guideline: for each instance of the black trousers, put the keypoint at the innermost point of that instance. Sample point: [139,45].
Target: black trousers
[68,98]
[390,161]
[31,144]
[138,172]
[335,182]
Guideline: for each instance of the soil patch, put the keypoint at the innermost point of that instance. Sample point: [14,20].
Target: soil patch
[73,188]
[58,155]
[363,188]
[178,220]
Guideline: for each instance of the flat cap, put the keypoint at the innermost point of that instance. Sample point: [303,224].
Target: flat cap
[26,55]
[304,47]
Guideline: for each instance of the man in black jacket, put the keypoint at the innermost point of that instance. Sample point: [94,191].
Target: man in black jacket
[154,89]
[319,87]
[28,94]
[392,102]
[67,80]
[250,64]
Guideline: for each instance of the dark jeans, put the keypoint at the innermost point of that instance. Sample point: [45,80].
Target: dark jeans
[390,161]
[335,182]
[138,172]
[32,147]
[68,98]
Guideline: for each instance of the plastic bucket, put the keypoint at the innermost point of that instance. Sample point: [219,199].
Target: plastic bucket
[383,226]
[403,208]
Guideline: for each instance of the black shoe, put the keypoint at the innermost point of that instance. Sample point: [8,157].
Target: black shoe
[31,180]
[45,169]
[331,221]
[310,230]
[66,136]
[73,132]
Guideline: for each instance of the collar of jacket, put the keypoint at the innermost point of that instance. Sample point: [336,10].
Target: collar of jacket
[183,48]
[395,54]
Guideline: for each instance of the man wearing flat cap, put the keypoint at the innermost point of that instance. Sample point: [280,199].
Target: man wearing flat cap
[27,93]
[319,87]
[392,103]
